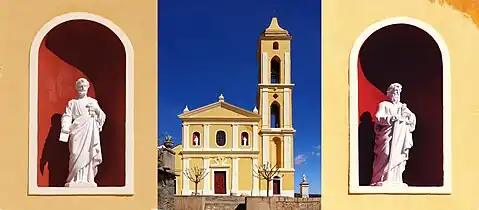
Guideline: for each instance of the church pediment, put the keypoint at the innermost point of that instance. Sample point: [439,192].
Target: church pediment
[219,110]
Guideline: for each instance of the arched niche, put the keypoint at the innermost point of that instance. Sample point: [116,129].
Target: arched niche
[410,52]
[68,47]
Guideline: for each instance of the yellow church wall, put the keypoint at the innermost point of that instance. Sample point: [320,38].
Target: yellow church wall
[178,162]
[195,128]
[262,184]
[195,162]
[179,184]
[219,112]
[245,179]
[229,135]
[178,168]
[20,21]
[339,33]
[288,180]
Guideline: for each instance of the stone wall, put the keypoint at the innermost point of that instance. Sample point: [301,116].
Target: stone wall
[166,179]
[166,190]
[287,203]
[243,203]
[189,202]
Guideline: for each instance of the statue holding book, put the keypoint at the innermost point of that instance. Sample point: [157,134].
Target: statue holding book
[82,123]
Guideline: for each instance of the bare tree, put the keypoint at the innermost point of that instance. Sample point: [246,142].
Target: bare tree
[195,175]
[266,172]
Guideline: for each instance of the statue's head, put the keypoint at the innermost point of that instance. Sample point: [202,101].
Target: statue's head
[82,86]
[394,92]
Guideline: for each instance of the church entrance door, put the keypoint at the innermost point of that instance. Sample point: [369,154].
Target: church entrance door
[220,182]
[276,187]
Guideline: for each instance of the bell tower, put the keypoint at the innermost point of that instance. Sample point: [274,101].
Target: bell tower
[274,97]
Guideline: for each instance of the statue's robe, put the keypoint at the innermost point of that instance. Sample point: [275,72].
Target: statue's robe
[84,139]
[393,140]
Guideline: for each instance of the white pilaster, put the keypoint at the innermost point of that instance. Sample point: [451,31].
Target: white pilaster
[265,140]
[287,152]
[206,181]
[206,136]
[255,137]
[264,110]
[264,67]
[186,137]
[287,108]
[235,167]
[186,181]
[287,68]
[255,191]
[235,136]
[291,149]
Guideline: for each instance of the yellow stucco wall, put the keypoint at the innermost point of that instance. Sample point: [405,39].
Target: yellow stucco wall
[20,21]
[220,113]
[196,162]
[288,181]
[245,180]
[178,168]
[339,34]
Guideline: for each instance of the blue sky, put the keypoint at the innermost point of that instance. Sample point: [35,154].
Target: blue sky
[210,46]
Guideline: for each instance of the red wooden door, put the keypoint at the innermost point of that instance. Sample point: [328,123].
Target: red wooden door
[276,187]
[220,182]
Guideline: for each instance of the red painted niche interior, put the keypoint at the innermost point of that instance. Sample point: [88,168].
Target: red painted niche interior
[74,49]
[408,55]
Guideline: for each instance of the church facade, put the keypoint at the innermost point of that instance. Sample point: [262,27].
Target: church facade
[230,142]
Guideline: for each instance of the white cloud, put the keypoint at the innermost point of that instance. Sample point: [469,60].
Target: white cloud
[318,150]
[300,159]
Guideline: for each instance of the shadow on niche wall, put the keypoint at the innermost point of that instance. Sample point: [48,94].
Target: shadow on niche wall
[408,55]
[56,154]
[74,49]
[366,145]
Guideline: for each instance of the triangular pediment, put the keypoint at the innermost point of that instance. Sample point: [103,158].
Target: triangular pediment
[219,110]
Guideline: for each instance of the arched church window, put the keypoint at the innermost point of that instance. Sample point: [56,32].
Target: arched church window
[275,70]
[196,139]
[220,138]
[275,45]
[244,139]
[275,115]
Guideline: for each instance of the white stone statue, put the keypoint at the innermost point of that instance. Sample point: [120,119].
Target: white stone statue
[196,141]
[245,141]
[394,126]
[82,123]
[304,178]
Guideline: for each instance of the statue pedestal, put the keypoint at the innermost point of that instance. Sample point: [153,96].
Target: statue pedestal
[304,189]
[80,185]
[390,184]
